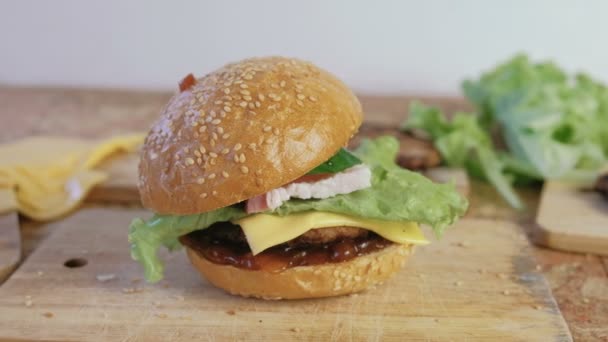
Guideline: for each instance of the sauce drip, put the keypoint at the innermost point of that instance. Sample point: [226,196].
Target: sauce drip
[283,256]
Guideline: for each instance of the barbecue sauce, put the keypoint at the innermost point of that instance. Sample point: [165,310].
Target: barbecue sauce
[284,256]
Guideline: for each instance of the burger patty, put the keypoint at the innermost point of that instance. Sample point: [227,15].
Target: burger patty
[226,231]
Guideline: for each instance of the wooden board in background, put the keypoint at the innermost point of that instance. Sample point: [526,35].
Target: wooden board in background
[10,237]
[572,219]
[479,283]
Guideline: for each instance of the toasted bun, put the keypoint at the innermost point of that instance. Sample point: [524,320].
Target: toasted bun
[331,279]
[243,130]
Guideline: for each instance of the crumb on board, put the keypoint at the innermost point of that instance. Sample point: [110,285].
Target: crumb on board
[135,280]
[40,273]
[502,275]
[537,307]
[161,315]
[48,314]
[458,283]
[231,312]
[463,244]
[296,329]
[103,277]
[506,292]
[129,290]
[539,268]
[177,297]
[586,300]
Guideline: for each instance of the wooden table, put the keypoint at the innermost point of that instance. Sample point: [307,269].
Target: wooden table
[579,282]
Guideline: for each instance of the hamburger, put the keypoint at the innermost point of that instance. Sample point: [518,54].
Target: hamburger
[247,169]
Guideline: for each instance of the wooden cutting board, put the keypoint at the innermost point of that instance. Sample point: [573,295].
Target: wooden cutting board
[478,283]
[572,219]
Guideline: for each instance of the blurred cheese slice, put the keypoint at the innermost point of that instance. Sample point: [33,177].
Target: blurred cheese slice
[49,176]
[264,231]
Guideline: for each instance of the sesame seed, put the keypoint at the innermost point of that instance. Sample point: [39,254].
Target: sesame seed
[258,104]
[203,195]
[213,154]
[277,99]
[202,149]
[225,174]
[299,86]
[216,121]
[242,158]
[218,102]
[251,146]
[244,169]
[261,97]
[300,96]
[258,172]
[300,103]
[312,98]
[236,158]
[247,98]
[252,112]
[244,86]
[237,147]
[212,114]
[211,176]
[200,180]
[213,135]
[282,84]
[194,124]
[212,161]
[186,149]
[223,114]
[197,153]
[274,85]
[225,151]
[272,95]
[214,192]
[251,105]
[243,104]
[248,77]
[227,109]
[189,161]
[268,141]
[192,102]
[244,92]
[199,161]
[212,142]
[202,129]
[267,129]
[276,131]
[226,91]
[226,136]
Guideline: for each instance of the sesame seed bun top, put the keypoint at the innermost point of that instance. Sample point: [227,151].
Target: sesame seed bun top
[243,130]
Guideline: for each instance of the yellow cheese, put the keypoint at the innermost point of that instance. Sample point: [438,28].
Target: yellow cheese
[45,177]
[264,231]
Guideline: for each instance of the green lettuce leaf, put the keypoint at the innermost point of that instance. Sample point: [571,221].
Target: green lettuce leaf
[555,125]
[464,143]
[146,237]
[396,195]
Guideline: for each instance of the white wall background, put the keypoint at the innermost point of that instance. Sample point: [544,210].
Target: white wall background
[375,46]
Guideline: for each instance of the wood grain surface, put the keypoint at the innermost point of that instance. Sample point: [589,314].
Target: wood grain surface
[10,236]
[572,218]
[579,281]
[478,283]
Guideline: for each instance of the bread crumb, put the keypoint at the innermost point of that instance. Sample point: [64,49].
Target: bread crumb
[129,290]
[458,283]
[156,303]
[586,300]
[28,302]
[539,268]
[296,330]
[506,292]
[135,280]
[105,277]
[481,271]
[48,314]
[161,315]
[231,312]
[177,297]
[502,276]
[537,307]
[463,244]
[40,273]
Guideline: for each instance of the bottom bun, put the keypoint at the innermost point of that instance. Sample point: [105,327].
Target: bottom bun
[330,279]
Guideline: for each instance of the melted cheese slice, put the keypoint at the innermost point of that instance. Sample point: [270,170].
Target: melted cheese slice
[264,231]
